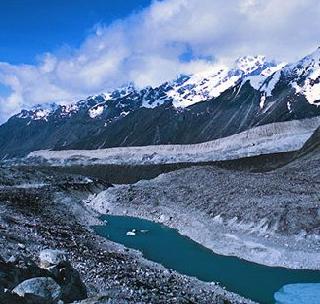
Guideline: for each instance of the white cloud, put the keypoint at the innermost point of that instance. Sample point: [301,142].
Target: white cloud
[146,47]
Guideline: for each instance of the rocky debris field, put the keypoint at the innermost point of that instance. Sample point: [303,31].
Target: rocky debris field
[41,211]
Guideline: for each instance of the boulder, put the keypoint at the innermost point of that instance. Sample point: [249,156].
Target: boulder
[18,274]
[51,257]
[18,270]
[72,288]
[39,290]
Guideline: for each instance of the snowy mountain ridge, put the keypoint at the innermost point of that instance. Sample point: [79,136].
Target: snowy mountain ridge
[306,77]
[213,104]
[182,92]
[262,74]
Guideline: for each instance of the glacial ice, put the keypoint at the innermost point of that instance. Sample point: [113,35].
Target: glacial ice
[298,294]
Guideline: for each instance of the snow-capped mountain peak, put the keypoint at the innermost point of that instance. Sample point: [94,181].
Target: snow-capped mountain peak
[210,84]
[252,91]
[305,77]
[262,74]
[39,112]
[249,64]
[182,92]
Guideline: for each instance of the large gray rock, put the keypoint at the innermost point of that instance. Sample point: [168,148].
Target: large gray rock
[44,289]
[55,261]
[17,273]
[51,257]
[18,270]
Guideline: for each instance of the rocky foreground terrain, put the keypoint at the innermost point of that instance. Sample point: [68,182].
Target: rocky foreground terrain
[269,217]
[40,211]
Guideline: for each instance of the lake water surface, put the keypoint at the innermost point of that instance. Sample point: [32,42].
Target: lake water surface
[166,246]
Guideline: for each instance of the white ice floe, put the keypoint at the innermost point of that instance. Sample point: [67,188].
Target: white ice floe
[298,294]
[131,233]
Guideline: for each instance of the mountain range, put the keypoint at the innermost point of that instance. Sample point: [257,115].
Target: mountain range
[191,109]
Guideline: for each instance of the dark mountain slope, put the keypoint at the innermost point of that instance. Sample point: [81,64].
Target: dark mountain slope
[234,111]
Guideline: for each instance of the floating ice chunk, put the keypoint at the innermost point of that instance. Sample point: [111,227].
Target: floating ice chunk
[298,294]
[132,232]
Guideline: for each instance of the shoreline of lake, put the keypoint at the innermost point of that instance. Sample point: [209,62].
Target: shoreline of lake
[152,200]
[166,246]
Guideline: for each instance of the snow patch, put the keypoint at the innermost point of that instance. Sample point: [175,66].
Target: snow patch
[262,100]
[270,84]
[67,110]
[248,64]
[41,114]
[258,81]
[210,84]
[311,88]
[124,113]
[96,111]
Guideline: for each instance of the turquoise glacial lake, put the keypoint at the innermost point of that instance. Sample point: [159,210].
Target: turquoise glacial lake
[167,247]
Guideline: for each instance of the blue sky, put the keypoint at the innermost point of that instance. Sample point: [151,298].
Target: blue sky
[63,50]
[33,27]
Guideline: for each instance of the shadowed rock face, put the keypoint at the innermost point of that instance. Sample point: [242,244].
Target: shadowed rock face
[313,143]
[231,113]
[21,269]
